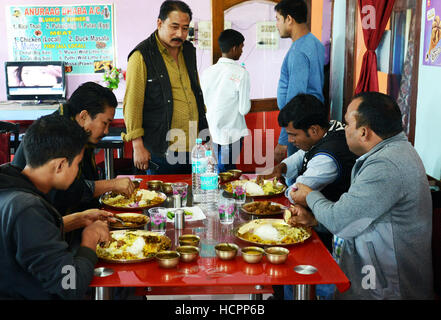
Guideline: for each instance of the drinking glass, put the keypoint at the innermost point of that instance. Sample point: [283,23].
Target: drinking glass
[227,209]
[239,194]
[158,219]
[181,188]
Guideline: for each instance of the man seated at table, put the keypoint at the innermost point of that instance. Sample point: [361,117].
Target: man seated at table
[323,161]
[384,221]
[93,107]
[35,260]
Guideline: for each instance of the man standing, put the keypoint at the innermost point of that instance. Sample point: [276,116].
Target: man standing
[384,222]
[226,88]
[163,94]
[303,66]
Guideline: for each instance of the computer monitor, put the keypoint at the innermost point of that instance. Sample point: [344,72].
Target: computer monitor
[35,80]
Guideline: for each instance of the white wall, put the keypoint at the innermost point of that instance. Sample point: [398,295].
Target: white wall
[428,115]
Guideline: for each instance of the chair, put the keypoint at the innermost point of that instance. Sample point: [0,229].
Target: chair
[9,140]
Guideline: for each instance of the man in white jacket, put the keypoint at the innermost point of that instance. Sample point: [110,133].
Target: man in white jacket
[226,89]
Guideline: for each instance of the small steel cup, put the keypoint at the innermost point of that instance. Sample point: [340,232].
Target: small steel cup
[155,185]
[226,251]
[167,259]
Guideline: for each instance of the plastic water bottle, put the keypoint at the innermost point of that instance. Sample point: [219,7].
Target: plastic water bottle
[210,182]
[198,167]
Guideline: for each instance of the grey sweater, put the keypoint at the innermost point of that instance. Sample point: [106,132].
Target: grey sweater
[385,220]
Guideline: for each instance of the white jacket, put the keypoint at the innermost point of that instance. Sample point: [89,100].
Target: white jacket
[226,89]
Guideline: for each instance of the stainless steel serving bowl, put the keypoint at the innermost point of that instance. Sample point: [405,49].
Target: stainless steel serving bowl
[167,188]
[236,173]
[189,240]
[155,185]
[252,254]
[168,259]
[276,255]
[225,176]
[188,253]
[226,251]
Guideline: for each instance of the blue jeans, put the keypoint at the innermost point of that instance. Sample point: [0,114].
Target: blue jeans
[227,154]
[174,163]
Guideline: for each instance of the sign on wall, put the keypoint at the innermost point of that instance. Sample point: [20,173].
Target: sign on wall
[267,35]
[80,35]
[204,33]
[432,33]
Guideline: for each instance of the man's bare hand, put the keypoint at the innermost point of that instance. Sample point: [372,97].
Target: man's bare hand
[141,155]
[276,172]
[280,153]
[95,233]
[299,195]
[301,216]
[124,186]
[90,216]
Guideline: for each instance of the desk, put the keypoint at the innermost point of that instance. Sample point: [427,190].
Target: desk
[210,275]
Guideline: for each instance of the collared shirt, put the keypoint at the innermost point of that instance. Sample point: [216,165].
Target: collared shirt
[321,170]
[184,102]
[226,89]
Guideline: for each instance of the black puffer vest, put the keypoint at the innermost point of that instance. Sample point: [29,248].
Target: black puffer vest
[158,99]
[334,145]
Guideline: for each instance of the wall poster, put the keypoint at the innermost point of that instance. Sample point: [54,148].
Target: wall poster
[80,35]
[432,33]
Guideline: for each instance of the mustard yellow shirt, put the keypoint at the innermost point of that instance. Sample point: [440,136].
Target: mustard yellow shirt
[185,109]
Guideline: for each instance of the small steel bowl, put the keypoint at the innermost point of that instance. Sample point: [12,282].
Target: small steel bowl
[167,188]
[154,185]
[188,253]
[226,251]
[167,259]
[225,176]
[252,254]
[189,240]
[236,173]
[276,255]
[137,182]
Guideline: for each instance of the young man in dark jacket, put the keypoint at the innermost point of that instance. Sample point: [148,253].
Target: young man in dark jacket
[35,260]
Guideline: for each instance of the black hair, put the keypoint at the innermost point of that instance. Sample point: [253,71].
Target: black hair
[304,110]
[92,97]
[379,112]
[297,9]
[169,6]
[51,137]
[230,38]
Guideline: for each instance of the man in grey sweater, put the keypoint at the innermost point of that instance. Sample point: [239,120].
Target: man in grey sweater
[383,224]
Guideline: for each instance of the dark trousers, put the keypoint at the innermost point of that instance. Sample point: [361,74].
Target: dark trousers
[227,154]
[174,163]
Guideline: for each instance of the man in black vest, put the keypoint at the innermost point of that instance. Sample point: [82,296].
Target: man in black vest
[163,101]
[323,161]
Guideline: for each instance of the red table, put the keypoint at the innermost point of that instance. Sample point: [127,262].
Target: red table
[210,275]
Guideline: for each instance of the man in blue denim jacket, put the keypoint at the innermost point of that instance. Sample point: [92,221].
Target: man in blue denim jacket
[385,219]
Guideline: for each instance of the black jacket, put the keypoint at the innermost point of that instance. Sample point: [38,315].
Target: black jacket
[158,98]
[34,258]
[79,196]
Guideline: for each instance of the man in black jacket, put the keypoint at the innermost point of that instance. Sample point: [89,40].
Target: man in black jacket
[93,107]
[163,101]
[35,260]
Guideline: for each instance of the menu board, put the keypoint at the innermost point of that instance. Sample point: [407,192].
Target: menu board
[432,33]
[80,35]
[267,35]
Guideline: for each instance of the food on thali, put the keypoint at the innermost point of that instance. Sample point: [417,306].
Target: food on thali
[140,198]
[132,246]
[272,232]
[131,220]
[252,188]
[287,215]
[262,208]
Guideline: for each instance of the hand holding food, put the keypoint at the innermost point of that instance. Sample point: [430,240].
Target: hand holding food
[299,195]
[97,232]
[90,216]
[300,216]
[124,186]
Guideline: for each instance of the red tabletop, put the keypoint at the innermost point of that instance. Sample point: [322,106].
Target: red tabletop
[210,274]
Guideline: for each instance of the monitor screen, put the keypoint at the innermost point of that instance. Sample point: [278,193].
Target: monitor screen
[35,80]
